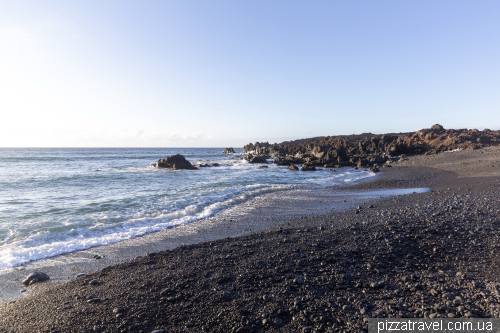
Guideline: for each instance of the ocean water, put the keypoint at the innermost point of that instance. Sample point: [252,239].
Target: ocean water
[60,200]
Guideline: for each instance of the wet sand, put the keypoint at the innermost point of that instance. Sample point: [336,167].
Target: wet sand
[250,216]
[246,283]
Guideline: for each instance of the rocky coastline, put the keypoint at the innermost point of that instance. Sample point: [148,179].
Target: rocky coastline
[371,150]
[432,254]
[229,151]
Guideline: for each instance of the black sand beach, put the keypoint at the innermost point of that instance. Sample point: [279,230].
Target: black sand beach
[431,254]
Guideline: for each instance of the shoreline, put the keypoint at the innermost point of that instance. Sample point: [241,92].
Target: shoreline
[232,222]
[331,277]
[66,266]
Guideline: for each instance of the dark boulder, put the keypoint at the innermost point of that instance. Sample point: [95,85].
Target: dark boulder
[308,167]
[176,162]
[361,163]
[255,159]
[293,167]
[437,128]
[288,160]
[229,151]
[35,277]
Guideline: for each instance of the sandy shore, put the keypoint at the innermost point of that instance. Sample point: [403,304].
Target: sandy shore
[423,254]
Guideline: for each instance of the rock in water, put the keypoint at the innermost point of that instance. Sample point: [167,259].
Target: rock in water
[229,151]
[35,277]
[255,159]
[176,162]
[293,167]
[308,167]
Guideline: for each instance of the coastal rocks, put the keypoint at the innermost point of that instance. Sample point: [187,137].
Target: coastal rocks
[229,151]
[255,159]
[35,277]
[308,167]
[320,151]
[263,148]
[288,160]
[368,150]
[437,128]
[293,167]
[176,162]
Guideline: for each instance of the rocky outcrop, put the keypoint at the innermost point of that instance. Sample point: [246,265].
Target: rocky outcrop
[293,167]
[35,277]
[264,148]
[229,151]
[367,150]
[176,162]
[255,159]
[288,160]
[308,167]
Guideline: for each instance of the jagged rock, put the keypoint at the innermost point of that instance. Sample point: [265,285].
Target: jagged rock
[176,162]
[229,151]
[288,160]
[255,159]
[308,167]
[320,151]
[365,150]
[293,167]
[202,165]
[361,164]
[374,168]
[437,128]
[35,277]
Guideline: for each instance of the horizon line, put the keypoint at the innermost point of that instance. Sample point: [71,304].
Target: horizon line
[119,147]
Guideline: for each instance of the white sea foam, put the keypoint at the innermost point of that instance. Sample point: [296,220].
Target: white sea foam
[12,256]
[66,207]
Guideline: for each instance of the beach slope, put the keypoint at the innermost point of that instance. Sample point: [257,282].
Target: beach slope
[432,254]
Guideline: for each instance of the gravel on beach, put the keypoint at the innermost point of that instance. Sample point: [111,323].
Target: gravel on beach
[433,254]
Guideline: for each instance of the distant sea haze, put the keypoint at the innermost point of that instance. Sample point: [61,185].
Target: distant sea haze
[55,200]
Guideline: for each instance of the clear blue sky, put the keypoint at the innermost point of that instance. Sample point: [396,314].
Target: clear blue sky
[224,73]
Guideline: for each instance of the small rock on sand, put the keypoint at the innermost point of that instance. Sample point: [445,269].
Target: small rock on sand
[35,277]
